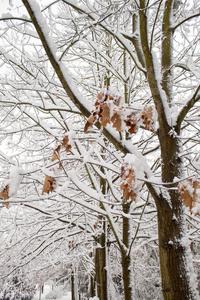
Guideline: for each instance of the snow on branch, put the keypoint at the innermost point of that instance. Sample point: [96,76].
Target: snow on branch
[43,31]
[100,22]
[75,96]
[191,102]
[11,185]
[131,170]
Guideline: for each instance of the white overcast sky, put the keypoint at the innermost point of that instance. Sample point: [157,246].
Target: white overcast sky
[9,6]
[4,6]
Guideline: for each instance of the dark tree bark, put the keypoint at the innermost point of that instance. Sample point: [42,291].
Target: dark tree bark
[100,267]
[126,261]
[174,261]
[72,286]
[92,287]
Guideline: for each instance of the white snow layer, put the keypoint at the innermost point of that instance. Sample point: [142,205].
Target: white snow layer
[14,180]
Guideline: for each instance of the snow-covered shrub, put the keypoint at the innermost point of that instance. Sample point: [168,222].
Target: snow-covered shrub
[16,287]
[55,294]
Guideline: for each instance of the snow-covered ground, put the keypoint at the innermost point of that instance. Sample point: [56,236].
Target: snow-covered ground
[55,294]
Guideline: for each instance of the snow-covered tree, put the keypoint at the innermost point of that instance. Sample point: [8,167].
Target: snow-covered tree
[16,287]
[56,60]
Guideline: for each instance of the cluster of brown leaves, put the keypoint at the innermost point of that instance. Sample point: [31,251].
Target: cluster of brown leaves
[108,111]
[190,193]
[128,183]
[135,119]
[50,182]
[104,113]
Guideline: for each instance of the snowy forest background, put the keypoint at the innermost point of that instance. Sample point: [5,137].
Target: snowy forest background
[99,157]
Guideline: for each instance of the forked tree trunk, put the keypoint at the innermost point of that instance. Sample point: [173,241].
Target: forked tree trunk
[175,266]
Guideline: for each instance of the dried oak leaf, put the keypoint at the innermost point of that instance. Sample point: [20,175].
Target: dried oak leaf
[117,121]
[5,195]
[189,193]
[105,115]
[147,118]
[133,121]
[49,185]
[128,182]
[90,122]
[66,144]
[49,182]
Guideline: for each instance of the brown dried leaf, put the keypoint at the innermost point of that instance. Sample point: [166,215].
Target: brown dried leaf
[147,118]
[196,186]
[49,185]
[127,185]
[132,121]
[65,143]
[49,182]
[102,111]
[5,195]
[189,193]
[5,192]
[117,121]
[186,197]
[105,115]
[89,123]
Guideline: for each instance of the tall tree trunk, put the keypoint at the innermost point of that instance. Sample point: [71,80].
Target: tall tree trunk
[126,277]
[100,267]
[174,247]
[74,283]
[175,263]
[72,286]
[175,257]
[126,261]
[92,287]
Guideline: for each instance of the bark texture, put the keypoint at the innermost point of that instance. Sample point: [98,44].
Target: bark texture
[174,252]
[100,268]
[126,261]
[174,264]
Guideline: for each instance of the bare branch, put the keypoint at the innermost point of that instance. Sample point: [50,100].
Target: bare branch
[187,107]
[15,18]
[173,28]
[167,41]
